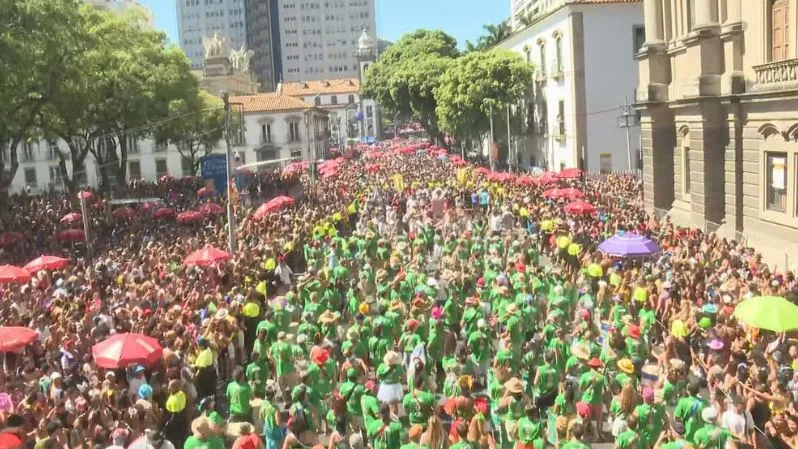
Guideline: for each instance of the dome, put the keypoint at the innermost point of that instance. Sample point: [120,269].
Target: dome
[366,43]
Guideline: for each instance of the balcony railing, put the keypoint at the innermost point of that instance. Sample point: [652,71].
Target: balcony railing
[779,75]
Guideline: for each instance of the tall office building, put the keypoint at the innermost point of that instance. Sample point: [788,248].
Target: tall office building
[203,18]
[263,38]
[318,38]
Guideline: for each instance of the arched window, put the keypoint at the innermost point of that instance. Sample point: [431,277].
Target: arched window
[351,99]
[558,54]
[542,46]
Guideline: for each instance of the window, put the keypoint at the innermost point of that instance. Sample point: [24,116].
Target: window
[134,170]
[779,29]
[132,145]
[293,132]
[55,174]
[161,168]
[334,99]
[686,174]
[638,37]
[369,111]
[317,101]
[296,154]
[542,67]
[30,177]
[558,55]
[351,99]
[187,166]
[266,155]
[266,133]
[160,147]
[52,150]
[776,188]
[561,118]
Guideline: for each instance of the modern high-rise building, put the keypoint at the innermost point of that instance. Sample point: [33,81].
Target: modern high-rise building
[203,18]
[319,38]
[263,38]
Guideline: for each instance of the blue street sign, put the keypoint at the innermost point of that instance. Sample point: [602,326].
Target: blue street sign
[213,168]
[371,139]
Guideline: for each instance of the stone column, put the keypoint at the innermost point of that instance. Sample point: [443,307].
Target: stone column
[653,20]
[706,13]
[733,80]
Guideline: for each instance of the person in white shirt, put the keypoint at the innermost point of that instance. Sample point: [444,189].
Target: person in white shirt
[284,272]
[737,420]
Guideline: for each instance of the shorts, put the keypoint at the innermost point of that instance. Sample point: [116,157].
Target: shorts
[596,410]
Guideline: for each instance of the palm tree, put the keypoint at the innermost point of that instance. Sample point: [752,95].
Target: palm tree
[496,33]
[525,19]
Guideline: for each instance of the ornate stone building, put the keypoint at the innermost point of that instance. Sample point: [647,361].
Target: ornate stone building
[718,96]
[225,69]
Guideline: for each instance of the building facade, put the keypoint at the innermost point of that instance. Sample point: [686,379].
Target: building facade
[563,125]
[198,19]
[719,101]
[318,38]
[531,8]
[279,127]
[263,40]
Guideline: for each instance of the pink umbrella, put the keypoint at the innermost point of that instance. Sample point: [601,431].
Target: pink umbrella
[164,212]
[85,195]
[211,209]
[73,217]
[71,235]
[579,207]
[8,238]
[206,256]
[525,180]
[124,212]
[202,192]
[547,178]
[482,171]
[282,200]
[45,263]
[569,173]
[13,338]
[190,216]
[148,207]
[13,273]
[123,350]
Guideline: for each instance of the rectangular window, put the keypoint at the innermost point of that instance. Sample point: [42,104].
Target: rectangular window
[296,154]
[27,152]
[132,145]
[160,147]
[30,177]
[134,170]
[779,32]
[605,162]
[266,155]
[542,60]
[638,38]
[52,150]
[686,170]
[55,175]
[186,166]
[161,168]
[561,118]
[776,188]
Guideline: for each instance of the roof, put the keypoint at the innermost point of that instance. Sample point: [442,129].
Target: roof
[337,86]
[593,2]
[269,102]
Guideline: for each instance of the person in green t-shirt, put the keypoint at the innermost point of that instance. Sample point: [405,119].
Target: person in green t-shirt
[238,394]
[629,438]
[544,386]
[385,432]
[594,385]
[710,436]
[577,433]
[651,418]
[281,353]
[369,404]
[530,431]
[688,410]
[273,429]
[257,373]
[672,438]
[414,438]
[203,436]
[419,404]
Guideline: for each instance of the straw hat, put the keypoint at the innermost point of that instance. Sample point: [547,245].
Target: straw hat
[396,305]
[327,317]
[626,366]
[201,427]
[392,358]
[513,386]
[676,364]
[580,352]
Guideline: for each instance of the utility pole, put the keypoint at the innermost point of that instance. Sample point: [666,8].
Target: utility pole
[492,141]
[231,216]
[89,246]
[628,119]
[509,141]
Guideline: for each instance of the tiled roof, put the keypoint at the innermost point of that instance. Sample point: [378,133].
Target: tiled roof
[268,102]
[339,86]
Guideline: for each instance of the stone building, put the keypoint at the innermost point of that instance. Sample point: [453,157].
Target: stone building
[718,96]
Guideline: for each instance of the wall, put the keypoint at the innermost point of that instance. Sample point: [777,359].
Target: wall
[607,88]
[280,142]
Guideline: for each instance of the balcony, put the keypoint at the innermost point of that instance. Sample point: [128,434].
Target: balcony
[776,76]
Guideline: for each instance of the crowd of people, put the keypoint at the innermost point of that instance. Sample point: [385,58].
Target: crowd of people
[405,299]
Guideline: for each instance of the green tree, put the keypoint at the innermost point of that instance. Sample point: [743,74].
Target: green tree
[403,79]
[525,18]
[40,44]
[476,82]
[492,36]
[198,128]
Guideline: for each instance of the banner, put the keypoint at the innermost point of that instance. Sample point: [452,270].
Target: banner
[398,182]
[462,176]
[213,169]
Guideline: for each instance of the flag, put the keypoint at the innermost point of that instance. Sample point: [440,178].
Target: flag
[234,193]
[398,182]
[462,176]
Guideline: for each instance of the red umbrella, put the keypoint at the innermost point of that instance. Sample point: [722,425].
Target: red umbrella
[124,212]
[329,174]
[525,180]
[571,193]
[551,193]
[206,256]
[569,173]
[73,217]
[123,350]
[9,440]
[45,263]
[373,168]
[147,207]
[457,161]
[547,178]
[85,195]
[164,212]
[8,238]
[71,235]
[272,205]
[190,216]
[13,338]
[13,273]
[282,200]
[211,209]
[579,207]
[482,171]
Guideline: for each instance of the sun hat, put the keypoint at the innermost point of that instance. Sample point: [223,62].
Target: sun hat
[705,323]
[709,414]
[594,362]
[201,427]
[648,394]
[392,358]
[514,386]
[626,366]
[715,344]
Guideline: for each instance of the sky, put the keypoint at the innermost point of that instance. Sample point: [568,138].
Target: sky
[463,19]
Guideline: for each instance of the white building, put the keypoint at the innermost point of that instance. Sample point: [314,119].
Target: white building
[318,38]
[276,127]
[282,127]
[583,55]
[202,18]
[532,7]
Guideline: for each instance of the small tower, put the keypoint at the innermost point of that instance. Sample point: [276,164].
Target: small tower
[366,53]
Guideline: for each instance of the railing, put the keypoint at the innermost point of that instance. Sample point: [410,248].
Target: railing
[776,75]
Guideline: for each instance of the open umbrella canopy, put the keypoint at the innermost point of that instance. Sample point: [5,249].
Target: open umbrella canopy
[206,256]
[282,201]
[85,195]
[13,273]
[569,173]
[579,207]
[13,338]
[164,212]
[45,263]
[482,171]
[629,245]
[72,217]
[211,209]
[123,350]
[272,205]
[9,440]
[71,235]
[547,178]
[525,180]
[124,212]
[771,313]
[373,168]
[190,216]
[9,238]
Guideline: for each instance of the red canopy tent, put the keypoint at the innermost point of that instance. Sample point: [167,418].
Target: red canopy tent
[14,338]
[164,212]
[211,209]
[124,212]
[190,216]
[569,173]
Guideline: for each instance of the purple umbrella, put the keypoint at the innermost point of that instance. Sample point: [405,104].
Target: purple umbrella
[629,245]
